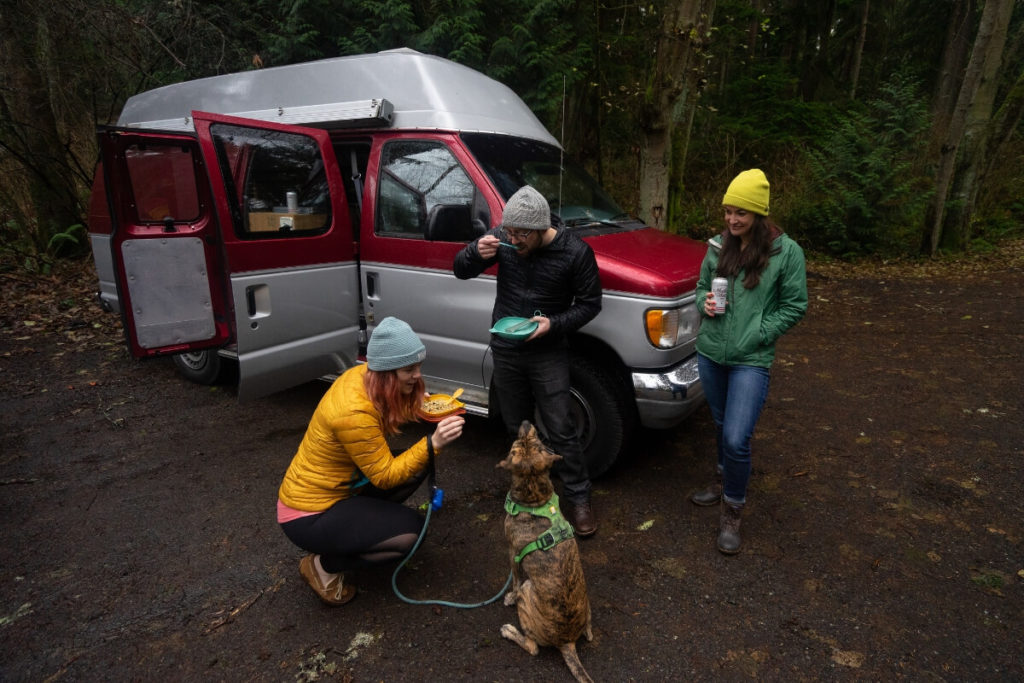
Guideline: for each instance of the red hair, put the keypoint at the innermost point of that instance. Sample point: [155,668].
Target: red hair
[395,408]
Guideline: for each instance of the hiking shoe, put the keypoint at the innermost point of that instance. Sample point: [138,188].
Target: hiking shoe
[335,593]
[581,516]
[708,496]
[729,529]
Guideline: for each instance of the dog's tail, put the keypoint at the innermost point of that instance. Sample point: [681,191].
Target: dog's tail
[575,665]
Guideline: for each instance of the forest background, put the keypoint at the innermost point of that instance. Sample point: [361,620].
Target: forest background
[887,127]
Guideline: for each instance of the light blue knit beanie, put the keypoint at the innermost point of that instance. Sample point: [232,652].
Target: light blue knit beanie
[394,345]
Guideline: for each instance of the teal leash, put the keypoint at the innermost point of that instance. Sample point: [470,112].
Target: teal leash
[444,603]
[436,500]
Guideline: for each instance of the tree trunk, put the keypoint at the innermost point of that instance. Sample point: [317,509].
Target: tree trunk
[671,93]
[973,160]
[1008,116]
[1005,121]
[1001,128]
[858,52]
[992,14]
[753,30]
[814,67]
[954,61]
[29,129]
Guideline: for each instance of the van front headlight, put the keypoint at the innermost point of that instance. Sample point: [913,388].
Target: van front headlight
[669,327]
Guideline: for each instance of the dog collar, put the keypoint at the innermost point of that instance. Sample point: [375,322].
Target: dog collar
[560,529]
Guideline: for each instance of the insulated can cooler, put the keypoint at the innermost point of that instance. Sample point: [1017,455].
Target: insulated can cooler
[720,288]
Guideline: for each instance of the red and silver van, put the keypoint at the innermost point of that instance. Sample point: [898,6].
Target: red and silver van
[269,218]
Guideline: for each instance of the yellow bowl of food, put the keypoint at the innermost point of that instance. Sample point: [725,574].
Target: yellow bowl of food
[439,406]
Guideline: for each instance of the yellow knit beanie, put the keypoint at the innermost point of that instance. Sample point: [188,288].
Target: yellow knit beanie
[748,190]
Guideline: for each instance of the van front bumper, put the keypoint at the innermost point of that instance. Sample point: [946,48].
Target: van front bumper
[664,399]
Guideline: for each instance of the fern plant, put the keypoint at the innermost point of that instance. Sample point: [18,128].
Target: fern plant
[863,193]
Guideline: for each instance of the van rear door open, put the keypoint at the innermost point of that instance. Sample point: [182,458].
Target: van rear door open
[278,256]
[164,243]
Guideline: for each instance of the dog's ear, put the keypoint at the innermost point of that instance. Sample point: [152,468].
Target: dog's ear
[526,430]
[514,458]
[552,458]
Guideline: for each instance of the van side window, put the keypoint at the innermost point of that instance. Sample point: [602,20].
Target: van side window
[276,180]
[426,194]
[163,182]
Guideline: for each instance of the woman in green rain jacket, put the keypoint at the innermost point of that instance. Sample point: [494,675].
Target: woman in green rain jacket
[766,296]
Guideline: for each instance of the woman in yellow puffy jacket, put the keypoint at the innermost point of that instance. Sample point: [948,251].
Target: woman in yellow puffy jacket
[342,497]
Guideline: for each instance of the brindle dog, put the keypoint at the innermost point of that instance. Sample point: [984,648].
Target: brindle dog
[548,587]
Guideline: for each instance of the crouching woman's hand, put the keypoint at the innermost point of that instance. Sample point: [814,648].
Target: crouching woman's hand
[448,429]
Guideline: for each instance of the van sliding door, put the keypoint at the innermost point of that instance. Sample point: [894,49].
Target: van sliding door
[289,248]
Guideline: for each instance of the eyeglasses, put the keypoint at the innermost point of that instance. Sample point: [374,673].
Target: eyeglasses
[519,234]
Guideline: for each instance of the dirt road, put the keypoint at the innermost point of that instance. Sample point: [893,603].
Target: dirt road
[882,539]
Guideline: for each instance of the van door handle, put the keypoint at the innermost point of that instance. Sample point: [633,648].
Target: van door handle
[371,285]
[257,302]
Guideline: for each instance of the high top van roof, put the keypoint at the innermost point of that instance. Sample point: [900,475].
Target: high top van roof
[425,92]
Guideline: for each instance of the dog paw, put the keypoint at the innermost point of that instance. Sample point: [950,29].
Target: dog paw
[512,633]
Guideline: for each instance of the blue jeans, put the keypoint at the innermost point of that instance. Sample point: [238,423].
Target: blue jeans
[736,395]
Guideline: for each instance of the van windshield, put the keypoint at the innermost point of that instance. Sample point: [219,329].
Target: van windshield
[573,195]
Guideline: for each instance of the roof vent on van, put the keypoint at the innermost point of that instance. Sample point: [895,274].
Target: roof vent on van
[356,114]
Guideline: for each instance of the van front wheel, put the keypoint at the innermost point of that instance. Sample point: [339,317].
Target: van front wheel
[599,412]
[201,367]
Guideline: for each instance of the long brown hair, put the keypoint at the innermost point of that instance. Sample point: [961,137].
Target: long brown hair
[395,408]
[752,260]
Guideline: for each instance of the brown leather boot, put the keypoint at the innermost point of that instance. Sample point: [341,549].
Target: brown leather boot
[729,529]
[581,516]
[709,495]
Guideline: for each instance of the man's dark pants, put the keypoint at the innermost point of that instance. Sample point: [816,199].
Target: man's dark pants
[527,379]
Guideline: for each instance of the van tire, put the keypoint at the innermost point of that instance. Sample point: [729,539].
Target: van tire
[600,414]
[201,367]
[600,410]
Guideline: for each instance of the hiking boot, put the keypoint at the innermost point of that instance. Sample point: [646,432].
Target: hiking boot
[708,496]
[335,593]
[581,516]
[729,530]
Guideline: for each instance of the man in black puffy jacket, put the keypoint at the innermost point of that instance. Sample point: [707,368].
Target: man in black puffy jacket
[549,275]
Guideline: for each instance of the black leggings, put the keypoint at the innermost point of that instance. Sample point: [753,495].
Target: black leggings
[369,529]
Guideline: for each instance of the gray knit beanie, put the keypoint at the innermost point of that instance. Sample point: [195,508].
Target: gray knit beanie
[394,345]
[526,210]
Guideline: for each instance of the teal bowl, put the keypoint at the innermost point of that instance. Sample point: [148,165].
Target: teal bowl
[514,328]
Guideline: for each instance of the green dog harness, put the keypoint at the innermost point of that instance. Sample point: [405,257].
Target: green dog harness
[560,529]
